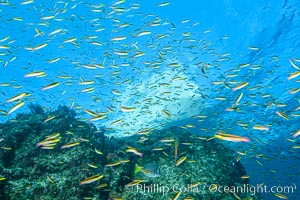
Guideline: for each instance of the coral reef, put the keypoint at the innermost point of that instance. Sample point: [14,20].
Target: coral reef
[54,155]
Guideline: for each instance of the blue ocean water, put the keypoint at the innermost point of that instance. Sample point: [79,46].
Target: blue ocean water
[184,58]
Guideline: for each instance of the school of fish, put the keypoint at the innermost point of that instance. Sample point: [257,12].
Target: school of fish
[132,72]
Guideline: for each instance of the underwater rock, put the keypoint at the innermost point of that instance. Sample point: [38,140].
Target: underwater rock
[190,166]
[61,157]
[35,164]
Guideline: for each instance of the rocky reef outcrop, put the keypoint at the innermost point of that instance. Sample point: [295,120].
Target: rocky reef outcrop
[55,155]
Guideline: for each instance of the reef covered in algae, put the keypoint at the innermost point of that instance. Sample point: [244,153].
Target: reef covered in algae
[54,155]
